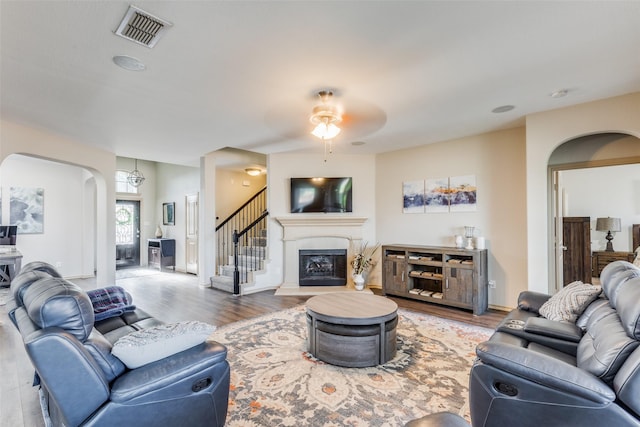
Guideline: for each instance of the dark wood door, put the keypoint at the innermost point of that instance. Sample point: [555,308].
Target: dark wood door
[127,233]
[576,238]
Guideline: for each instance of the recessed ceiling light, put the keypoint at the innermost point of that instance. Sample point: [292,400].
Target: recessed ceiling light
[559,93]
[358,143]
[129,63]
[503,109]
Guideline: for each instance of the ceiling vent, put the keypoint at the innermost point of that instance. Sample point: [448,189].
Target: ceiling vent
[142,27]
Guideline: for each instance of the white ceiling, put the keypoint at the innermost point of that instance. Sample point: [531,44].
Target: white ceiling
[243,73]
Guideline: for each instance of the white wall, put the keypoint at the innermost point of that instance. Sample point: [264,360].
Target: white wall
[546,131]
[69,211]
[173,183]
[605,191]
[497,160]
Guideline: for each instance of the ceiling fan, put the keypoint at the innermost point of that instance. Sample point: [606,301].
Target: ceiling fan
[324,115]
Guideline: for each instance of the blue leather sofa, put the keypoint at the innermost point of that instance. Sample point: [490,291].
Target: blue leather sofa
[585,374]
[83,384]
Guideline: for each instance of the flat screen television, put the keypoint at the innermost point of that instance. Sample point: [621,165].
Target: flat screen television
[321,195]
[8,234]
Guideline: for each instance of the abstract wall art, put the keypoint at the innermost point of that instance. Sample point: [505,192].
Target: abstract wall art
[26,206]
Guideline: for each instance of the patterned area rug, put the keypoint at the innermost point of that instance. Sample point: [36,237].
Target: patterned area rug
[275,382]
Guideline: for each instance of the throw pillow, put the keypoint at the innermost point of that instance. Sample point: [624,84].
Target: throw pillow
[148,345]
[570,302]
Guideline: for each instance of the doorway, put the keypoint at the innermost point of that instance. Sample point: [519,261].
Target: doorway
[583,157]
[576,244]
[127,233]
[191,250]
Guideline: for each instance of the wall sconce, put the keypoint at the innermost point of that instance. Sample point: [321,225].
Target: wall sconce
[253,171]
[608,224]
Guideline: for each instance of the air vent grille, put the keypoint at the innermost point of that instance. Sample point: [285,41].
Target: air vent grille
[142,27]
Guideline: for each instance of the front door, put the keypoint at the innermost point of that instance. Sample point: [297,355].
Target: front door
[127,233]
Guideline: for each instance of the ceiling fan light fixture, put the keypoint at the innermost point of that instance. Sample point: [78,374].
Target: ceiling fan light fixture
[325,117]
[325,131]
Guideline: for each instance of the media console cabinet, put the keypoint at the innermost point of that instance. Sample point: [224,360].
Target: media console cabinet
[437,274]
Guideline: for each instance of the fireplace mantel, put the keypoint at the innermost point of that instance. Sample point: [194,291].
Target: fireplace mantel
[295,227]
[302,231]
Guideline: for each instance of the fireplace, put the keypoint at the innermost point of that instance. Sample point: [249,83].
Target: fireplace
[322,267]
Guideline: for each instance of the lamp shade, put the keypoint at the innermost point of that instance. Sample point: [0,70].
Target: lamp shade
[608,224]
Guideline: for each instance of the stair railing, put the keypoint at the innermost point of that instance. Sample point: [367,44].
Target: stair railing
[238,220]
[253,257]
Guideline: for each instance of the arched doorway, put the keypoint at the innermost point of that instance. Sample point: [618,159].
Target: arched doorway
[582,155]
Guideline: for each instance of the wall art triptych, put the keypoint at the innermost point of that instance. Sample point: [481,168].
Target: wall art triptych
[453,194]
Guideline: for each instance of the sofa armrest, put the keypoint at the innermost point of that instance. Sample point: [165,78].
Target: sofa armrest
[181,374]
[532,301]
[545,370]
[12,306]
[551,328]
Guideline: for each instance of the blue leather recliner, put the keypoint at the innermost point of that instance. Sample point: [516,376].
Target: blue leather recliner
[83,384]
[536,372]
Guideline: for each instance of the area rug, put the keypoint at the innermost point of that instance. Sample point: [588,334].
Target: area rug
[276,382]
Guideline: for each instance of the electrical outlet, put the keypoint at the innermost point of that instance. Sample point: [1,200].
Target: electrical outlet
[492,284]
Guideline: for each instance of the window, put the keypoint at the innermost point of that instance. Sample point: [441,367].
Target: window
[122,185]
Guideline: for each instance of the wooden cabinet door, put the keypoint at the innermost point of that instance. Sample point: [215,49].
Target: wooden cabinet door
[459,286]
[576,238]
[395,274]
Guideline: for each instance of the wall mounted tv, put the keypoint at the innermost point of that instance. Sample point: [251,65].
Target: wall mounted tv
[321,195]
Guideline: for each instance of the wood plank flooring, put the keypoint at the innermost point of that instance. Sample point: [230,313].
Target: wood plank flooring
[170,297]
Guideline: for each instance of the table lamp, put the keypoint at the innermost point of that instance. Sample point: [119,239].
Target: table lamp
[608,224]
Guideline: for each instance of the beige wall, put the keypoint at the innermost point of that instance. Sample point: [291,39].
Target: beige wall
[497,160]
[233,188]
[545,132]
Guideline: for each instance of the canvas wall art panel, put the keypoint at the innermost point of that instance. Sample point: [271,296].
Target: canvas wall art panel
[436,195]
[463,193]
[26,206]
[413,197]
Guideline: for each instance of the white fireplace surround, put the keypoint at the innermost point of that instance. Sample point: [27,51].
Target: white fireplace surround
[311,232]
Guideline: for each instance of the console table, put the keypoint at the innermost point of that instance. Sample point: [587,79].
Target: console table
[352,329]
[12,259]
[162,253]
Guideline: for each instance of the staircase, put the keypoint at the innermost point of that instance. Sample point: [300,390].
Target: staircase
[241,246]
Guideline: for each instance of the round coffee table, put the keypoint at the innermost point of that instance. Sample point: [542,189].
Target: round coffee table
[352,329]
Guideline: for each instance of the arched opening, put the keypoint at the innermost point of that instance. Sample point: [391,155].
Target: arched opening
[63,230]
[590,176]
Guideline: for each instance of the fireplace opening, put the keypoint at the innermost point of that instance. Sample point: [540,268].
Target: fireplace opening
[322,267]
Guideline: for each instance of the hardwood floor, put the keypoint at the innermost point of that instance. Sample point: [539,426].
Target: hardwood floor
[170,297]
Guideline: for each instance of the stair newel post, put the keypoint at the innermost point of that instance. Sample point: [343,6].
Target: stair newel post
[236,271]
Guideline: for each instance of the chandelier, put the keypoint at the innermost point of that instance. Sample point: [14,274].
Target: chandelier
[325,118]
[135,177]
